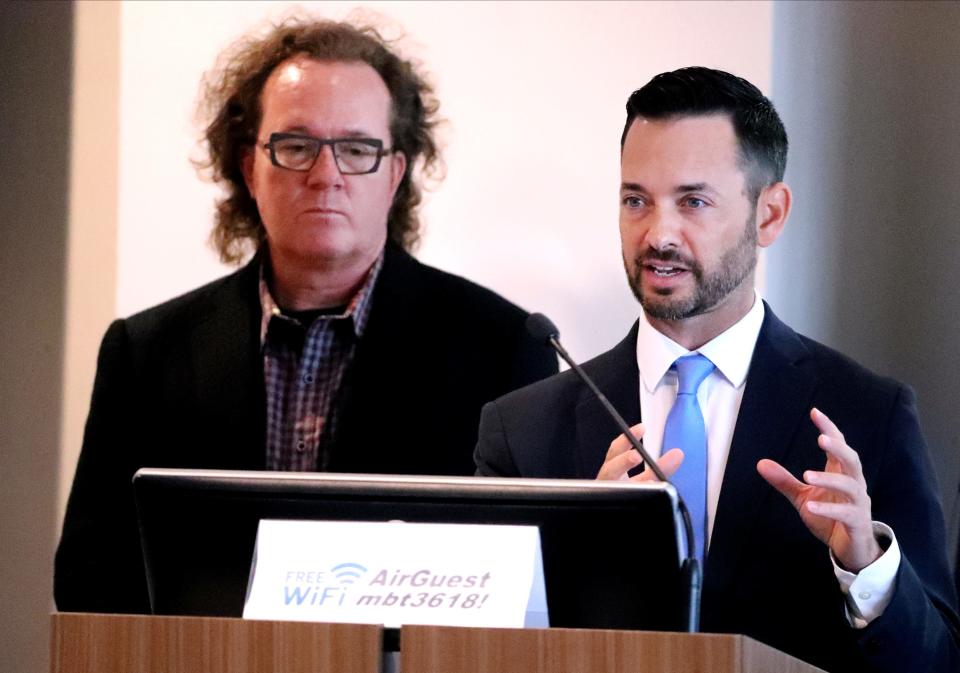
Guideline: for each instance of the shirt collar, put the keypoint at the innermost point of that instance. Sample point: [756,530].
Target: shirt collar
[730,351]
[358,308]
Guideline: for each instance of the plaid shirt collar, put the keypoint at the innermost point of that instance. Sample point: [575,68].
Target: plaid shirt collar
[358,308]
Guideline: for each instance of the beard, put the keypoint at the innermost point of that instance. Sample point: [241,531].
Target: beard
[736,264]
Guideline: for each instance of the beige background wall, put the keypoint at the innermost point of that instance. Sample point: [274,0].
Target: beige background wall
[533,95]
[105,216]
[869,94]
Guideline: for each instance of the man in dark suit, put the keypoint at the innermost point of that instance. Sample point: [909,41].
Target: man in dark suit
[333,349]
[847,569]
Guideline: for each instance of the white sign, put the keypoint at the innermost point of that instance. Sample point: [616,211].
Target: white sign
[397,573]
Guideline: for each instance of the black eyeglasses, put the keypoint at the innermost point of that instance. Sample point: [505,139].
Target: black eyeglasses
[354,156]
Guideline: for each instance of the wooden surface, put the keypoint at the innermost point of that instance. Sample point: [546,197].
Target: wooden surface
[446,650]
[88,643]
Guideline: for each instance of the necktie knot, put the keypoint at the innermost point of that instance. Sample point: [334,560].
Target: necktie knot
[691,371]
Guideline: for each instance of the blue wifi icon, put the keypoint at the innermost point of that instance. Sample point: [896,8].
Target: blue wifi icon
[348,573]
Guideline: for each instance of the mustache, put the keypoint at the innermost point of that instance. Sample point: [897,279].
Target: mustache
[668,256]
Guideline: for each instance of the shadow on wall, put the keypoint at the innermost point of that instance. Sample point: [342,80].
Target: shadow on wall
[868,93]
[36,45]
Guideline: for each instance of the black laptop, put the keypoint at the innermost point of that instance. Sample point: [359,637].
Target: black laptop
[611,550]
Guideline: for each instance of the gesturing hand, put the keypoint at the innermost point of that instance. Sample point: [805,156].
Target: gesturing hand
[622,457]
[833,503]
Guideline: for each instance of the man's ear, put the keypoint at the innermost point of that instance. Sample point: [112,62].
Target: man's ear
[398,164]
[246,167]
[773,208]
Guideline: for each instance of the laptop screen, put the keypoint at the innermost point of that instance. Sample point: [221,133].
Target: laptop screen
[611,550]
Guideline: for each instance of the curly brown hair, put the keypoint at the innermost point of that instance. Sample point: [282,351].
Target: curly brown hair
[231,101]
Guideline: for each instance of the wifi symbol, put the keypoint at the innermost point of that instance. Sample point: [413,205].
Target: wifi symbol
[348,573]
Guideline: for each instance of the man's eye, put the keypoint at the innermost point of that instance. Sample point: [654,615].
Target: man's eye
[633,202]
[294,148]
[694,202]
[356,149]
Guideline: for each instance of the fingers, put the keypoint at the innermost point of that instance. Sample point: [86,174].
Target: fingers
[668,463]
[833,503]
[842,498]
[833,443]
[842,478]
[844,485]
[824,424]
[850,536]
[621,444]
[617,467]
[621,456]
[829,482]
[813,495]
[777,476]
[846,513]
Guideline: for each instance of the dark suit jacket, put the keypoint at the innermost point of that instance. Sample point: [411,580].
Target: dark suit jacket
[765,575]
[181,385]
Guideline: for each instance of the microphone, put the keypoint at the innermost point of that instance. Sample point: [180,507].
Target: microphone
[542,328]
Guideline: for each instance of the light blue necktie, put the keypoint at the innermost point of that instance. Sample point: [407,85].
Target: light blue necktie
[685,430]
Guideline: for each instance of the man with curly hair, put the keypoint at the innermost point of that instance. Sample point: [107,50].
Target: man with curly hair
[332,349]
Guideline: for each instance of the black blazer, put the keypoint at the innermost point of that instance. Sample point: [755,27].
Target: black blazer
[181,385]
[766,576]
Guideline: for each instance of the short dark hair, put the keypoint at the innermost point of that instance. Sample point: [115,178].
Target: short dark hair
[699,91]
[231,103]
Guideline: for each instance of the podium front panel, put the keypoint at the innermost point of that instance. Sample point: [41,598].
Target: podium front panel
[94,643]
[442,650]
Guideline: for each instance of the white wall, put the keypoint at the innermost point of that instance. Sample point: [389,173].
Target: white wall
[534,94]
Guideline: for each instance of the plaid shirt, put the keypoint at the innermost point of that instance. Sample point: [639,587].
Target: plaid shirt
[303,366]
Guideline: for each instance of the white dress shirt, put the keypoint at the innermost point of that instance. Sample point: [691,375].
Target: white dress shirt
[719,397]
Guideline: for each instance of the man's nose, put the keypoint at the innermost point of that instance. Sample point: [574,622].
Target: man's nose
[325,173]
[664,227]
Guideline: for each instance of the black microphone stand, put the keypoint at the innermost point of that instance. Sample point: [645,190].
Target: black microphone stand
[690,571]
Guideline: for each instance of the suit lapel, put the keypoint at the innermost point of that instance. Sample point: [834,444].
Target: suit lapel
[372,382]
[228,370]
[616,375]
[776,402]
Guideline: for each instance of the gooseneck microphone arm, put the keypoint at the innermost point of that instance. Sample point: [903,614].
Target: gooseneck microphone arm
[543,329]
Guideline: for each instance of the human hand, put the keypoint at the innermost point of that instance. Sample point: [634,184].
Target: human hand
[622,457]
[833,503]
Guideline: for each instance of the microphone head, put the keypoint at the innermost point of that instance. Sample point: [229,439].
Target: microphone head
[542,328]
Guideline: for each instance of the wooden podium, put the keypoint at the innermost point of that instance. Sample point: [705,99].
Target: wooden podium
[434,649]
[90,643]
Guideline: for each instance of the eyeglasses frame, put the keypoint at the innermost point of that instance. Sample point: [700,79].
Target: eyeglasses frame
[372,142]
